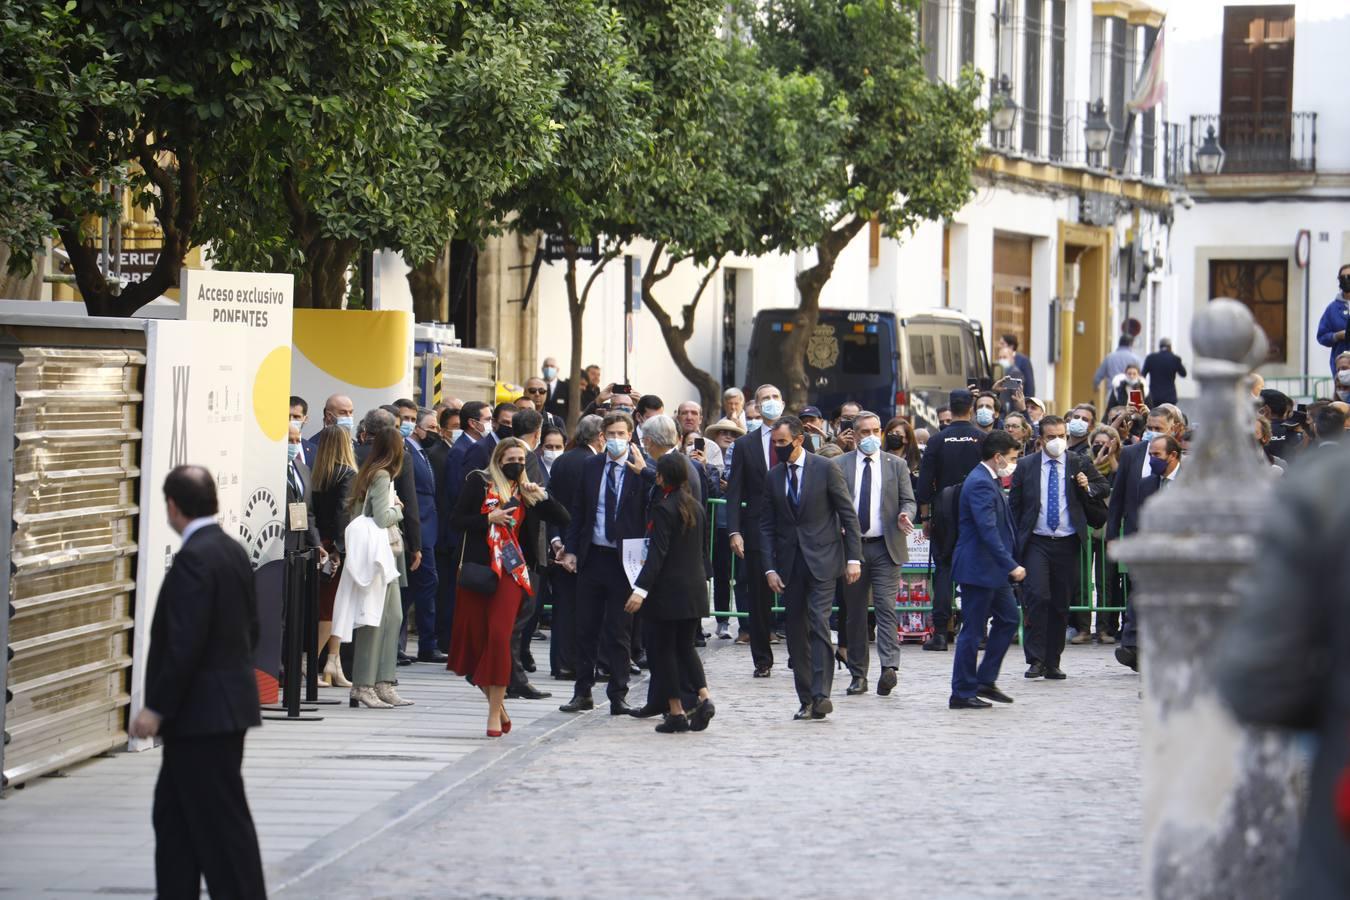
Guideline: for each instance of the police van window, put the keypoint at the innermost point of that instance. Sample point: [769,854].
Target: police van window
[860,354]
[952,363]
[922,359]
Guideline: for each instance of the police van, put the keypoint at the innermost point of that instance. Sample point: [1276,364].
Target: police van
[890,365]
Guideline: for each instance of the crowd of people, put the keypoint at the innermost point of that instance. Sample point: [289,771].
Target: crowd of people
[480,516]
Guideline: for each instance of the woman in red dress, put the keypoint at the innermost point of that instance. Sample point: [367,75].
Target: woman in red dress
[499,512]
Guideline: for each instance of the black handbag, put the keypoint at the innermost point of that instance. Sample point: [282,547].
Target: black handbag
[478,578]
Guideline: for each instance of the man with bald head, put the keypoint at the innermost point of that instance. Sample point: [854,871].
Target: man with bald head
[689,414]
[536,389]
[338,410]
[555,390]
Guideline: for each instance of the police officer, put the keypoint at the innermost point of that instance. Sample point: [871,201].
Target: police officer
[951,455]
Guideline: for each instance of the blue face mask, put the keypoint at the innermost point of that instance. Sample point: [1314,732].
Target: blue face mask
[984,416]
[292,451]
[616,447]
[1077,427]
[550,373]
[405,429]
[344,421]
[870,444]
[752,424]
[1157,466]
[771,408]
[1150,435]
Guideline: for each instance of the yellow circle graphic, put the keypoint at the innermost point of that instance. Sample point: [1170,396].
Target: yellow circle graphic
[271,390]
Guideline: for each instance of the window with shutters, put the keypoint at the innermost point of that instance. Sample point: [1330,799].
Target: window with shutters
[1263,286]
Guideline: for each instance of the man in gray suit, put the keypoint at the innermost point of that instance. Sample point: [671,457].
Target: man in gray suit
[883,495]
[806,507]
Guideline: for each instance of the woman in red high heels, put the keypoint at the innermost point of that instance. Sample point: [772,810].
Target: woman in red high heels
[500,513]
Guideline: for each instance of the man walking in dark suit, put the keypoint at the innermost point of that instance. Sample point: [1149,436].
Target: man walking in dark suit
[475,418]
[609,508]
[201,695]
[1047,497]
[420,594]
[564,484]
[751,459]
[1161,369]
[983,564]
[808,538]
[884,499]
[481,453]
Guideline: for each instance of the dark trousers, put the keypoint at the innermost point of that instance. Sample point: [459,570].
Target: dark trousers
[807,603]
[1052,577]
[852,601]
[202,821]
[761,608]
[562,650]
[1129,626]
[447,578]
[421,593]
[722,572]
[524,616]
[1110,589]
[543,596]
[977,605]
[943,588]
[674,661]
[603,628]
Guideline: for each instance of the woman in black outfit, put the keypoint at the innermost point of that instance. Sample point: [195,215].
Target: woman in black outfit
[672,589]
[333,471]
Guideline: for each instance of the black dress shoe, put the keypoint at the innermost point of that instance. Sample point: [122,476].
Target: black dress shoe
[528,665]
[563,675]
[700,642]
[647,711]
[634,669]
[673,724]
[821,708]
[886,683]
[937,642]
[404,660]
[601,672]
[1055,673]
[857,686]
[967,703]
[528,692]
[1035,670]
[435,656]
[538,636]
[620,708]
[578,704]
[641,661]
[804,713]
[1128,657]
[702,715]
[764,672]
[991,692]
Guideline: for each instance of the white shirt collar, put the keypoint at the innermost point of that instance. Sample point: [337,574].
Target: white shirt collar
[989,467]
[197,525]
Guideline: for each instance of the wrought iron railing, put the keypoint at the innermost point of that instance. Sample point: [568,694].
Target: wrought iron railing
[1254,143]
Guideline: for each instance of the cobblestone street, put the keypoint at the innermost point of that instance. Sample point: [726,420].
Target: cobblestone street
[891,796]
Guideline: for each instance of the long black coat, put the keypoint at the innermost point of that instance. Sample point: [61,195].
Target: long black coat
[673,573]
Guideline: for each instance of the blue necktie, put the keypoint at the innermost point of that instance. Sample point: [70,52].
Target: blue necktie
[611,500]
[865,497]
[1052,498]
[794,489]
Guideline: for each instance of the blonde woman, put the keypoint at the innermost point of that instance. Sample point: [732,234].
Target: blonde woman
[334,471]
[499,512]
[377,646]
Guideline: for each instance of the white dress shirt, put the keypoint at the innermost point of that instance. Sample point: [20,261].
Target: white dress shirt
[1065,528]
[874,501]
[598,534]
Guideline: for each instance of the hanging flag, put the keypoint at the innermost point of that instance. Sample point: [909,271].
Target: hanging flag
[1151,88]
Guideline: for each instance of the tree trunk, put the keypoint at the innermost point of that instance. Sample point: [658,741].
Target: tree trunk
[576,309]
[810,282]
[677,339]
[428,283]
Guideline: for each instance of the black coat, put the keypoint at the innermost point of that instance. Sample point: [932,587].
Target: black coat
[1025,495]
[673,573]
[199,673]
[1128,493]
[951,455]
[468,519]
[300,540]
[745,484]
[1161,369]
[564,481]
[631,517]
[332,508]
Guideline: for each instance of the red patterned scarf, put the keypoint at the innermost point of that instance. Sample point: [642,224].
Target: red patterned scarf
[504,545]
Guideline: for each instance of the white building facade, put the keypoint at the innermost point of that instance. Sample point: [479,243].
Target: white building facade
[1267,213]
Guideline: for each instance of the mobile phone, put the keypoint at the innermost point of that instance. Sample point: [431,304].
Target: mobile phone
[1301,407]
[1136,398]
[845,424]
[622,389]
[985,384]
[698,444]
[1013,384]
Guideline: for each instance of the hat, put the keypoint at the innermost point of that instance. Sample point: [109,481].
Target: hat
[809,412]
[1035,401]
[962,394]
[729,425]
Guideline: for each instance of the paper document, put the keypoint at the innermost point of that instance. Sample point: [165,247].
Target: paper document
[634,555]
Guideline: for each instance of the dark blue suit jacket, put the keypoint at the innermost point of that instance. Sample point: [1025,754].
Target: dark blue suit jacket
[425,479]
[985,539]
[480,454]
[451,481]
[631,520]
[1127,493]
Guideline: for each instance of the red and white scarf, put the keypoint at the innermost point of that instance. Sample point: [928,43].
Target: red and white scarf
[501,536]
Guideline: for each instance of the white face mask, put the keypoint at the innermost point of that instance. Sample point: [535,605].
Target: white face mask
[456,434]
[1343,377]
[1056,447]
[1006,471]
[772,409]
[922,449]
[551,455]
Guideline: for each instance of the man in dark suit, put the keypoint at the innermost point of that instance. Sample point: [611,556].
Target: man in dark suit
[609,508]
[808,539]
[438,453]
[336,411]
[564,484]
[1007,344]
[201,696]
[298,491]
[1047,503]
[555,402]
[951,455]
[884,498]
[983,564]
[420,594]
[480,453]
[527,425]
[475,419]
[751,459]
[536,390]
[1161,369]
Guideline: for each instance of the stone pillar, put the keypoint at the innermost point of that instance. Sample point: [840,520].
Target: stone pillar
[1221,801]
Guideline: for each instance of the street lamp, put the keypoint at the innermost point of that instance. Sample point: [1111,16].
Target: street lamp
[1097,132]
[1209,158]
[1003,107]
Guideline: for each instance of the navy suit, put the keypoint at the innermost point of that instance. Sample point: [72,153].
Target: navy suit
[564,484]
[983,560]
[602,586]
[1128,494]
[480,454]
[421,589]
[449,482]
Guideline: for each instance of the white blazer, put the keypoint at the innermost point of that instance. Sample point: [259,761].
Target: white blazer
[366,573]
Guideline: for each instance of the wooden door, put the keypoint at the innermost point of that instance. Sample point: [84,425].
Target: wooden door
[1257,87]
[1012,290]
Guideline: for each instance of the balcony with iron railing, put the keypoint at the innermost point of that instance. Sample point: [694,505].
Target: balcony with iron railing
[1251,144]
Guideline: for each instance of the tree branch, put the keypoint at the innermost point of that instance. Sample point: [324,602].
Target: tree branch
[690,308]
[599,267]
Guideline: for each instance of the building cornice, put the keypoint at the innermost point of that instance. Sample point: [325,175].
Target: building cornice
[996,167]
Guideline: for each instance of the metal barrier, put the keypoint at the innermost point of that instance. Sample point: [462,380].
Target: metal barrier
[1303,387]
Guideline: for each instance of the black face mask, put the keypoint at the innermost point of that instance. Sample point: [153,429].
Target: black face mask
[894,442]
[430,441]
[1345,281]
[504,431]
[784,454]
[513,471]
